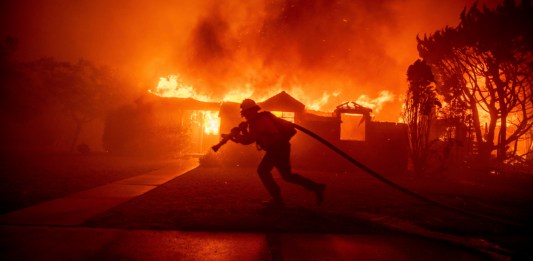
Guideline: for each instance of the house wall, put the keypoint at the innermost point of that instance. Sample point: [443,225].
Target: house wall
[384,149]
[389,143]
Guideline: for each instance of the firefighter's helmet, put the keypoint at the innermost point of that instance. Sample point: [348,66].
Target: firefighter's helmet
[249,104]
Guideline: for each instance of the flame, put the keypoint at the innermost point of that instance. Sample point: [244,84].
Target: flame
[207,121]
[375,104]
[174,86]
[237,95]
[313,104]
[211,122]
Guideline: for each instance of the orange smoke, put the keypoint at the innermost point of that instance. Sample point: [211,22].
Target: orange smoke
[331,51]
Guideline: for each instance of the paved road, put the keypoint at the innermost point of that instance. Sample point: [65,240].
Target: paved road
[53,231]
[78,243]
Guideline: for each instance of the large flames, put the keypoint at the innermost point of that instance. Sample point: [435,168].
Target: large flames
[211,122]
[175,86]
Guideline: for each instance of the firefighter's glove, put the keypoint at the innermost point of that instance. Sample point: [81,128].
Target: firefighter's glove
[243,126]
[235,131]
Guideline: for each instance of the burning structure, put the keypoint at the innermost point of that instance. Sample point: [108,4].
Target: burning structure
[379,145]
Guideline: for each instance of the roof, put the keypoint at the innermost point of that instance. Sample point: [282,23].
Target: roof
[178,103]
[282,102]
[352,107]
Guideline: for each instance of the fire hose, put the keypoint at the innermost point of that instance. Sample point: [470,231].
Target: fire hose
[227,137]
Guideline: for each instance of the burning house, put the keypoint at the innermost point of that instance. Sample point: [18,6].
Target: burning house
[379,145]
[162,126]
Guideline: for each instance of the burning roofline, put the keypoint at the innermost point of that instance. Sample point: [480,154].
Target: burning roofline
[281,101]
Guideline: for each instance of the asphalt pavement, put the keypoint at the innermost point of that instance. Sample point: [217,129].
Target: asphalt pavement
[53,231]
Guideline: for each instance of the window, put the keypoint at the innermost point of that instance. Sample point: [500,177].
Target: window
[286,115]
[352,127]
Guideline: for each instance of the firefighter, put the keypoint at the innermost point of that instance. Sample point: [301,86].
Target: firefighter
[266,131]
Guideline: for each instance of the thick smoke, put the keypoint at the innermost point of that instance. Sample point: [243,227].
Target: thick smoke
[316,47]
[347,48]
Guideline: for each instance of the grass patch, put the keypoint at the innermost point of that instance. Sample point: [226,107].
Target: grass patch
[29,178]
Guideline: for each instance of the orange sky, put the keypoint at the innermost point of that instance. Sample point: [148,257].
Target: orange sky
[346,47]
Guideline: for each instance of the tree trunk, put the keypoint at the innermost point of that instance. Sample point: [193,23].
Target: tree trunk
[502,140]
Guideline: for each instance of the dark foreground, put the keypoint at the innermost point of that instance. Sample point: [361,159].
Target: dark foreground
[226,199]
[82,243]
[214,213]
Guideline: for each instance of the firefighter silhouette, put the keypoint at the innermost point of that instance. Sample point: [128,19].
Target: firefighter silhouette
[272,135]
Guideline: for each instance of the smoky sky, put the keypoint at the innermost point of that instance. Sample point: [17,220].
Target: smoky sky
[351,47]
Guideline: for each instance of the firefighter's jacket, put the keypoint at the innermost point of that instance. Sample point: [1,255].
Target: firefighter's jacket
[262,130]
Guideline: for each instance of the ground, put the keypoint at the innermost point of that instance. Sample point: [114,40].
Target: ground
[31,177]
[227,199]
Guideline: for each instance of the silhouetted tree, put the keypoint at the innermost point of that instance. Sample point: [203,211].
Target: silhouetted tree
[83,90]
[485,65]
[419,110]
[18,96]
[22,101]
